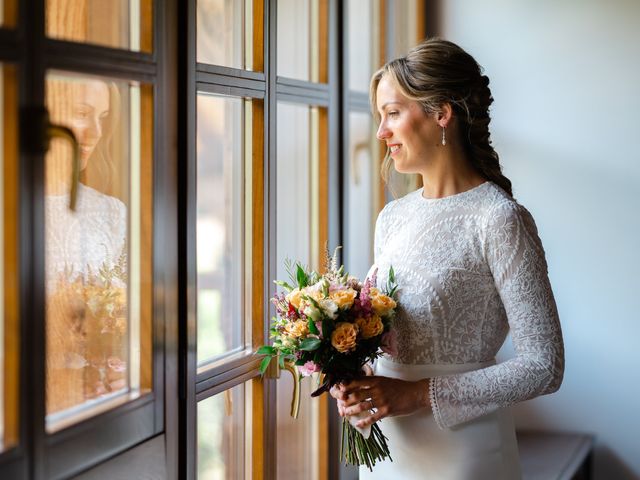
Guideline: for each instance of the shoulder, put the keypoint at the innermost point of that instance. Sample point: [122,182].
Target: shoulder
[501,210]
[95,200]
[398,207]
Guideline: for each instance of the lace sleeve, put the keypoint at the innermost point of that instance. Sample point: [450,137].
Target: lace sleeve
[515,255]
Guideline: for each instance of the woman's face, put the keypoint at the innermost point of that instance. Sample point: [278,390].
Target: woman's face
[90,111]
[410,133]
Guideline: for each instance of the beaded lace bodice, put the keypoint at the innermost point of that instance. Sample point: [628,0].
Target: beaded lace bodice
[470,267]
[81,242]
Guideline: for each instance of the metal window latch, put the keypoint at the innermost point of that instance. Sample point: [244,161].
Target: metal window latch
[37,132]
[273,371]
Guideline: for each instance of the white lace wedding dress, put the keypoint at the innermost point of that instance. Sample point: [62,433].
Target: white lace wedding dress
[470,267]
[80,242]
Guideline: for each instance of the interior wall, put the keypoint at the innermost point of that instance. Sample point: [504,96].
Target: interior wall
[565,78]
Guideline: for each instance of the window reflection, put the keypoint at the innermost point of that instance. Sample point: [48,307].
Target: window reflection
[123,24]
[9,279]
[93,255]
[85,252]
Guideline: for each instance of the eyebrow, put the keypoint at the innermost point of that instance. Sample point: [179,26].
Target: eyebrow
[384,105]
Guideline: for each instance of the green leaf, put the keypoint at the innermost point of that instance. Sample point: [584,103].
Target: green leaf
[284,285]
[266,350]
[264,364]
[312,327]
[392,275]
[310,344]
[281,361]
[301,276]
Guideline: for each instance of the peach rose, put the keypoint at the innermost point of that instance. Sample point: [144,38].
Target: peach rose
[343,337]
[381,303]
[297,329]
[344,298]
[294,297]
[370,326]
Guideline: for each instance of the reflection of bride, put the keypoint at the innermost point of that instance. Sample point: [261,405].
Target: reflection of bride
[80,244]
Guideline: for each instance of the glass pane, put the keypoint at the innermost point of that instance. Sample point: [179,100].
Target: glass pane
[98,258]
[126,24]
[8,13]
[8,259]
[404,27]
[364,39]
[302,39]
[221,154]
[363,194]
[224,435]
[296,239]
[225,33]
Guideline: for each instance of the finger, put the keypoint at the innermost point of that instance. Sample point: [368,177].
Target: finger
[358,384]
[371,419]
[357,397]
[362,406]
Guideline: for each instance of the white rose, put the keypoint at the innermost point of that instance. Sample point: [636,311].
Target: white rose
[329,307]
[313,313]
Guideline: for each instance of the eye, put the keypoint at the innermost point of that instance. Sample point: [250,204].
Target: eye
[393,114]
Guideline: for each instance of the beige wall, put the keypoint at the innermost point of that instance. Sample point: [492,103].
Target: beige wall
[566,79]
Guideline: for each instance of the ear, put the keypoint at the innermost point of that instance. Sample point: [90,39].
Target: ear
[445,115]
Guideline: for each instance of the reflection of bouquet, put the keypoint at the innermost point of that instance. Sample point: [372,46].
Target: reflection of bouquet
[334,324]
[87,335]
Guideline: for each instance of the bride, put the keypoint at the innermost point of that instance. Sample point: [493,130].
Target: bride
[470,267]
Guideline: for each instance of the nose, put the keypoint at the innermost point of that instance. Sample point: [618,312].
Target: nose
[94,129]
[383,131]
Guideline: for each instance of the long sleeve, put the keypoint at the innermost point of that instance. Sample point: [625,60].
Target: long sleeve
[515,256]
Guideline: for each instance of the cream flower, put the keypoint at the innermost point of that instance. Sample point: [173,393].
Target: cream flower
[343,337]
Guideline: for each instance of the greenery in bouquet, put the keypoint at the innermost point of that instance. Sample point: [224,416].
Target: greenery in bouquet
[333,324]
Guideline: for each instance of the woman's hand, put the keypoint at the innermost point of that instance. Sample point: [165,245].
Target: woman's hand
[388,396]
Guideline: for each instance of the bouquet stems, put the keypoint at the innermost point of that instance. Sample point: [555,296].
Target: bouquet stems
[360,450]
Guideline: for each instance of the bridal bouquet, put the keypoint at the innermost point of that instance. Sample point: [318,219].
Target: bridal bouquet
[333,324]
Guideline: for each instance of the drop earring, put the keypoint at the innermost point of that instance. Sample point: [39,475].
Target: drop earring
[444,138]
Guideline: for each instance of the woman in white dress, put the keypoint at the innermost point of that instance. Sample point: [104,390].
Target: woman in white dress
[470,267]
[80,244]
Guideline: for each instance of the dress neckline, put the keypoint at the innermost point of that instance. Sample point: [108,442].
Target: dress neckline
[455,196]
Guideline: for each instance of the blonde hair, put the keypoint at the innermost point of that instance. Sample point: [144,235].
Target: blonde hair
[438,72]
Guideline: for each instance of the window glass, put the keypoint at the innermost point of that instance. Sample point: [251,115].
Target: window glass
[98,257]
[9,340]
[363,189]
[296,239]
[225,33]
[300,39]
[224,435]
[221,153]
[125,24]
[8,13]
[364,38]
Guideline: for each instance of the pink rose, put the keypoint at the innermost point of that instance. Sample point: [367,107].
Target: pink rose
[389,343]
[308,368]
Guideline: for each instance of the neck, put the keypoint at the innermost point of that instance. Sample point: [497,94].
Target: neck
[449,173]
